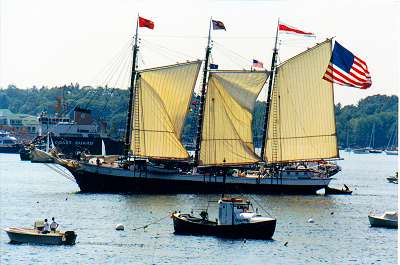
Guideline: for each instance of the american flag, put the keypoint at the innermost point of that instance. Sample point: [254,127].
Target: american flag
[257,64]
[347,69]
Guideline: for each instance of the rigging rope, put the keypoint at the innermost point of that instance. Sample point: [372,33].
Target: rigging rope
[152,223]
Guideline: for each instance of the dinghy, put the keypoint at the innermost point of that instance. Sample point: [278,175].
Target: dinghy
[388,219]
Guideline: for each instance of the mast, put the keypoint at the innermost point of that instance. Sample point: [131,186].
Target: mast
[131,91]
[270,83]
[202,98]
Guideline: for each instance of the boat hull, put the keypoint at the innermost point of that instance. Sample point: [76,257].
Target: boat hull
[20,236]
[98,179]
[256,230]
[380,222]
[13,149]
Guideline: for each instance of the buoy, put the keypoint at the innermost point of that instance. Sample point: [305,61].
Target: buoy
[310,220]
[119,227]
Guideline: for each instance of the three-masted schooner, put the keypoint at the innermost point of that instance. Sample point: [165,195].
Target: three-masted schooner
[300,126]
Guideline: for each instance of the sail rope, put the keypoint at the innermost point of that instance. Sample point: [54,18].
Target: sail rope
[60,172]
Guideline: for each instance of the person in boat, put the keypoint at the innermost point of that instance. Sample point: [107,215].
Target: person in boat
[53,225]
[46,227]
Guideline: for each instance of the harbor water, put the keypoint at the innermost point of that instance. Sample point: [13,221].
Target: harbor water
[340,233]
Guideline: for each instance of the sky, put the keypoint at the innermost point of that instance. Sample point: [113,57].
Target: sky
[52,43]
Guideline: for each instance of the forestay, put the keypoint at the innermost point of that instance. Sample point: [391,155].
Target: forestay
[162,98]
[227,135]
[301,122]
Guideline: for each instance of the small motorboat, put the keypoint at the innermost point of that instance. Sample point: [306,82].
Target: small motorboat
[393,179]
[392,152]
[388,219]
[334,191]
[375,151]
[236,220]
[361,151]
[36,236]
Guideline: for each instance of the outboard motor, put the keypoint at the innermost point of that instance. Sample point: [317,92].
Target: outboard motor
[69,237]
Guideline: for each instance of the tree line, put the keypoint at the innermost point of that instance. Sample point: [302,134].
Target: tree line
[376,114]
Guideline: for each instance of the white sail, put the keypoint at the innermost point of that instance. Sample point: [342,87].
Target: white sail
[227,135]
[301,122]
[160,107]
[103,148]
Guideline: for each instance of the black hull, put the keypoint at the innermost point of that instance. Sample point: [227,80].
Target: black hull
[99,183]
[258,230]
[70,146]
[10,149]
[24,156]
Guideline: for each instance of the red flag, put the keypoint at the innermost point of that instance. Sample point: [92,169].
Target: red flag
[285,28]
[146,23]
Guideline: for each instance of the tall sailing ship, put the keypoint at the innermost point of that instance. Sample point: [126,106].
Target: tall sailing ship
[300,126]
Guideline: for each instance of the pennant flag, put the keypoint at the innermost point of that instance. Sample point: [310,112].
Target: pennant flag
[347,69]
[218,25]
[146,23]
[213,66]
[257,64]
[285,28]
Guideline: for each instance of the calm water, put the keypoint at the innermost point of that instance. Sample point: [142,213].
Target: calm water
[340,234]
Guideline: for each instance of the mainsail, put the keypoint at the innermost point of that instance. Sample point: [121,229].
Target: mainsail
[227,135]
[301,122]
[161,102]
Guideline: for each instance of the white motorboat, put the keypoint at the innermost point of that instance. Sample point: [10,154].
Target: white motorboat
[19,235]
[392,152]
[388,219]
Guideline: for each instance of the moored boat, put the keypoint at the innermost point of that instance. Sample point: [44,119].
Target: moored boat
[235,220]
[392,152]
[8,143]
[34,236]
[388,220]
[361,151]
[393,179]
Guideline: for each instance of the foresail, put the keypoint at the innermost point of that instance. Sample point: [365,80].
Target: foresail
[301,122]
[161,104]
[227,135]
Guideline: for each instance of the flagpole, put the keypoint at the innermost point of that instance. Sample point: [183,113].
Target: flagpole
[202,98]
[271,77]
[131,91]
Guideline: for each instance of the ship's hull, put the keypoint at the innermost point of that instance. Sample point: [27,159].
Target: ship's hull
[70,146]
[99,179]
[10,149]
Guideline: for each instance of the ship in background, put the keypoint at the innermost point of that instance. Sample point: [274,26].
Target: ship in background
[82,134]
[8,143]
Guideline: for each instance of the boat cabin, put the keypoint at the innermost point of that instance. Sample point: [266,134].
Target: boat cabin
[233,211]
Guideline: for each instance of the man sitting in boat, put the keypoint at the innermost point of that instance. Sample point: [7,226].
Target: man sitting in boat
[46,227]
[53,225]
